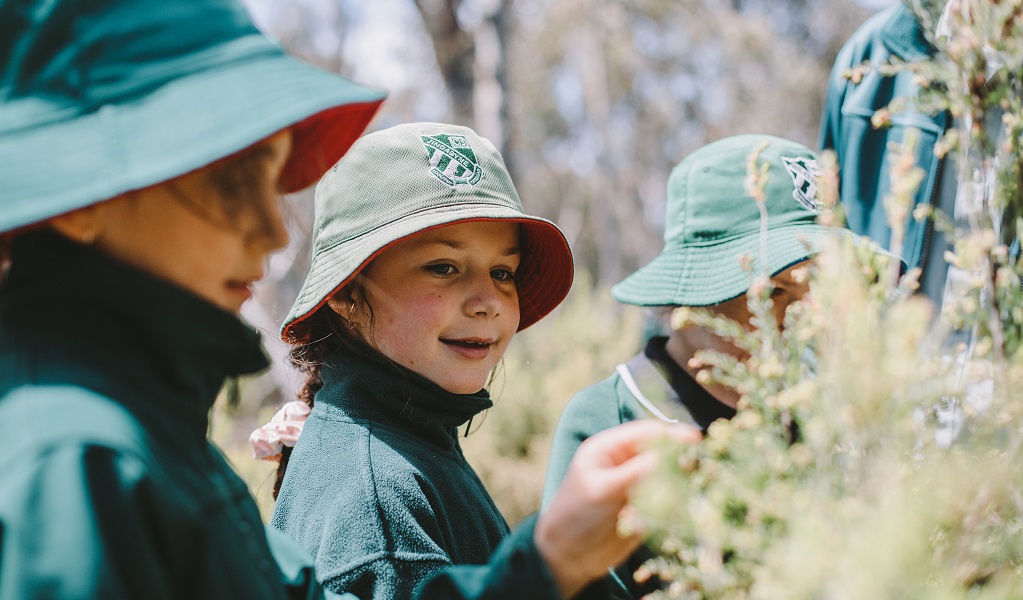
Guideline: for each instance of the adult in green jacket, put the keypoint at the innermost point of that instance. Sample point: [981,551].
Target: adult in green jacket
[853,96]
[143,145]
[710,224]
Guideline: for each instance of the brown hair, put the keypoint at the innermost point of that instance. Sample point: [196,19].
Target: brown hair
[241,184]
[332,337]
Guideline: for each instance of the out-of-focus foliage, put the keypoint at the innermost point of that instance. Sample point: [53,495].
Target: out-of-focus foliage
[870,457]
[607,97]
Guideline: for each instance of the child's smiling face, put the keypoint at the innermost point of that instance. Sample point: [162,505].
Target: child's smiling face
[444,302]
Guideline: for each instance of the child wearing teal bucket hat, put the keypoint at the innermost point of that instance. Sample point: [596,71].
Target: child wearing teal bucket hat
[143,148]
[424,267]
[711,223]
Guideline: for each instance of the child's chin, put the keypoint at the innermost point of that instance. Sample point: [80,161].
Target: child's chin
[464,387]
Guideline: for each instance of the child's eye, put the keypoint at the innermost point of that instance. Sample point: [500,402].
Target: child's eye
[502,275]
[441,269]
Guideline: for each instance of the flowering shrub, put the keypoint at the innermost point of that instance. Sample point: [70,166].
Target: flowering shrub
[876,454]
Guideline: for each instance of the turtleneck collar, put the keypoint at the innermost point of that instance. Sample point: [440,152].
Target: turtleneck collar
[89,320]
[904,36]
[369,386]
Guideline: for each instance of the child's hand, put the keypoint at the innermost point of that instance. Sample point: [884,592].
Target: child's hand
[578,534]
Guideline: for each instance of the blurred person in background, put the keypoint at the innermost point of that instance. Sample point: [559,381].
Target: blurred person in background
[856,92]
[711,222]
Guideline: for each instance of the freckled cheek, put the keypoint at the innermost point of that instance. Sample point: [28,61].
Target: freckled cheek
[418,320]
[427,308]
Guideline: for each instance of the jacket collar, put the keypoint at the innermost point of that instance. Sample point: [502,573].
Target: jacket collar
[368,386]
[89,320]
[904,36]
[704,407]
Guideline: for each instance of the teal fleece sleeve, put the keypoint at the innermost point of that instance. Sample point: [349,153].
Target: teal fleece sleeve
[297,569]
[516,571]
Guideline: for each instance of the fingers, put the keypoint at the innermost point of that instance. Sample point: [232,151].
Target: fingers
[615,446]
[578,535]
[622,477]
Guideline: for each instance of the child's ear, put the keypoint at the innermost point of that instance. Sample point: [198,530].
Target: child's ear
[341,306]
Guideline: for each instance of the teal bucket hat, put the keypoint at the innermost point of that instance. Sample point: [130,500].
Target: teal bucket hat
[711,222]
[99,98]
[410,178]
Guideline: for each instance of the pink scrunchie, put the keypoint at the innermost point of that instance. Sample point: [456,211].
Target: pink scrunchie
[282,430]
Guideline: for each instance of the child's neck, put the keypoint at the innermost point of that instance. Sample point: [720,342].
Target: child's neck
[683,345]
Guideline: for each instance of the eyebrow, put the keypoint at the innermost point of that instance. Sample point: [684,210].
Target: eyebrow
[456,245]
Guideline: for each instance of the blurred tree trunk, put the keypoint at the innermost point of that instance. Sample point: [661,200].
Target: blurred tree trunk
[455,49]
[604,181]
[472,60]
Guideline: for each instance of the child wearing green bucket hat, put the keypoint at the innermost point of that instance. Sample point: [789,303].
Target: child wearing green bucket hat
[424,267]
[143,148]
[711,222]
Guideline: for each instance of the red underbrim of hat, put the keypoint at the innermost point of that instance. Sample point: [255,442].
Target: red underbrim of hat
[321,140]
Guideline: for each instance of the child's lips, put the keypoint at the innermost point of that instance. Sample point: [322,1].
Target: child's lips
[241,287]
[471,348]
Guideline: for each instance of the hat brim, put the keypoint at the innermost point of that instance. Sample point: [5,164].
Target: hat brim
[703,275]
[542,280]
[187,123]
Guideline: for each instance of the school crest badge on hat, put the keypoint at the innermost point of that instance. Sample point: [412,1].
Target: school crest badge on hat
[804,172]
[452,160]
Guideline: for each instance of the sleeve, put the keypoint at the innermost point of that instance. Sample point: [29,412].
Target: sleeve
[297,569]
[79,521]
[592,410]
[516,571]
[383,577]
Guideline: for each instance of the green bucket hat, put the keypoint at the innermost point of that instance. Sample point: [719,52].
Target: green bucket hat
[99,98]
[711,222]
[413,177]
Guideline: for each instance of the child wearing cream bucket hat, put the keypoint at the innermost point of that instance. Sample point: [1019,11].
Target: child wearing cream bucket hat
[424,267]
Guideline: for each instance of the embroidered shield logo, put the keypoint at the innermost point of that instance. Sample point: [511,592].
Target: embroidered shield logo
[452,160]
[804,173]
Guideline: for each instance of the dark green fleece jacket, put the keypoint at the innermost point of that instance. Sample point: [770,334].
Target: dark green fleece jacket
[109,488]
[377,488]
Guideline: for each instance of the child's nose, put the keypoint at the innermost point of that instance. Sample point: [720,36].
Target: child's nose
[269,232]
[484,299]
